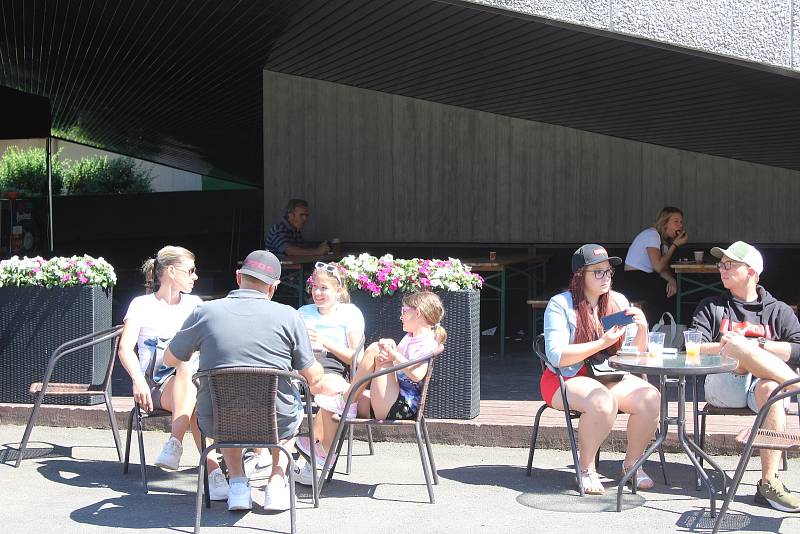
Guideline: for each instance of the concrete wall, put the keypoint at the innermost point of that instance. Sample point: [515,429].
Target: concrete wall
[381,167]
[763,31]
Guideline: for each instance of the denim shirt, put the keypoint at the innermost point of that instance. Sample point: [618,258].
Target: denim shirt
[560,323]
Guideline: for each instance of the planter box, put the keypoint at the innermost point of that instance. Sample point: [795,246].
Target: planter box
[455,389]
[36,320]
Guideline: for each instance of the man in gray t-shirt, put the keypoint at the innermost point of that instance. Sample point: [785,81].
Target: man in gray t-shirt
[247,329]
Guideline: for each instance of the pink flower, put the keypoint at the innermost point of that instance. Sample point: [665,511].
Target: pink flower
[425,282]
[66,277]
[373,288]
[83,279]
[382,275]
[395,284]
[363,278]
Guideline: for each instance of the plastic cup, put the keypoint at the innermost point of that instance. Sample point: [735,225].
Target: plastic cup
[336,246]
[492,255]
[655,344]
[698,256]
[692,339]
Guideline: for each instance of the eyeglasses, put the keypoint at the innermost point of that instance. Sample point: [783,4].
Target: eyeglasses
[728,265]
[599,275]
[330,269]
[190,271]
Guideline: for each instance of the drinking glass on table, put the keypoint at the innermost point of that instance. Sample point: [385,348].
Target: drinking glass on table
[692,339]
[655,344]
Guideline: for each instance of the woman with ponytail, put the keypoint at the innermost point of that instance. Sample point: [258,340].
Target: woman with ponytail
[574,334]
[150,323]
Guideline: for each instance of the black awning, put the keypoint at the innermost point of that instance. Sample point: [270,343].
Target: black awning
[180,83]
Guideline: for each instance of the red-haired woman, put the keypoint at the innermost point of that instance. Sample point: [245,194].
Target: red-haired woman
[573,334]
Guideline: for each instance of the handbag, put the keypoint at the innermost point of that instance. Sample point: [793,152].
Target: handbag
[673,332]
[600,370]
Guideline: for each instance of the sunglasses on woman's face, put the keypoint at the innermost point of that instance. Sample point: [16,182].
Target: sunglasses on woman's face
[330,269]
[190,271]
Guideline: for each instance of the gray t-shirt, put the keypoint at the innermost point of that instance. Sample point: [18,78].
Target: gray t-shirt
[246,328]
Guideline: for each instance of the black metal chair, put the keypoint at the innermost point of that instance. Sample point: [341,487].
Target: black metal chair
[418,422]
[758,438]
[137,415]
[353,368]
[700,416]
[243,404]
[46,387]
[569,415]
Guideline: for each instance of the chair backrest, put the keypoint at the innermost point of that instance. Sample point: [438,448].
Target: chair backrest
[88,341]
[539,351]
[358,351]
[243,403]
[424,388]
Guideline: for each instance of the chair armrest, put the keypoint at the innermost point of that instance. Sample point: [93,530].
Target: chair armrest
[364,380]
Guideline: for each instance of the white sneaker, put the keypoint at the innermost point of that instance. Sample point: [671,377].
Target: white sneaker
[276,497]
[256,463]
[302,472]
[170,457]
[217,485]
[239,497]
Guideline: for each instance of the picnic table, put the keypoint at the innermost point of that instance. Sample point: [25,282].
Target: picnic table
[496,273]
[692,278]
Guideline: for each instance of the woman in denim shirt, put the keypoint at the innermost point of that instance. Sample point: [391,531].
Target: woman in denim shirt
[573,334]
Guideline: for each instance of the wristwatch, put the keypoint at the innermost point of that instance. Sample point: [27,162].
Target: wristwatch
[761,342]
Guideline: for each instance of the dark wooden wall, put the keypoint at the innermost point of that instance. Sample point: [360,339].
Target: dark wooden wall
[381,167]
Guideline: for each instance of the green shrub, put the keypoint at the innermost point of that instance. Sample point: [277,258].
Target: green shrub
[100,175]
[25,171]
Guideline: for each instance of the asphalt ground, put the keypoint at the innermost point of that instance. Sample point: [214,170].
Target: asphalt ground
[74,483]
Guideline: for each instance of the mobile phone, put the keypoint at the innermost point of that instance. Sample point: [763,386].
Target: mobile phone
[616,319]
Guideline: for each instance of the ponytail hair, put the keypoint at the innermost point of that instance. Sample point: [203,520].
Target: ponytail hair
[153,268]
[430,307]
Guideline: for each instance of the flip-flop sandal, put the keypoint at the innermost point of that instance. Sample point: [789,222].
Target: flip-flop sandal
[643,480]
[590,481]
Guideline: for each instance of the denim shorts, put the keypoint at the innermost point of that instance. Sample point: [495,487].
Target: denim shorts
[731,390]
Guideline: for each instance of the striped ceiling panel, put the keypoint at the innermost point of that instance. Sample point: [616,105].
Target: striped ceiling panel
[180,83]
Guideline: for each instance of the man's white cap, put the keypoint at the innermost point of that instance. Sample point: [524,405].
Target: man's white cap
[743,252]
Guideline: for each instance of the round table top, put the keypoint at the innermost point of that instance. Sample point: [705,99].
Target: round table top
[672,364]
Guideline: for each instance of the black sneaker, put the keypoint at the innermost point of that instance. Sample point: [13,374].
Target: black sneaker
[773,493]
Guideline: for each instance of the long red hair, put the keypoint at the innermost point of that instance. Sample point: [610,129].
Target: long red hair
[587,329]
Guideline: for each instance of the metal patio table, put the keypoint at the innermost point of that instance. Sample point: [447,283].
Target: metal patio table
[678,367]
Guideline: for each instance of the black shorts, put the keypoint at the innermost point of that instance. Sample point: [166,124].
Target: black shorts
[400,410]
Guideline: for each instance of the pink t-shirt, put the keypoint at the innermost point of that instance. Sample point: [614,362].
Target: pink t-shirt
[416,347]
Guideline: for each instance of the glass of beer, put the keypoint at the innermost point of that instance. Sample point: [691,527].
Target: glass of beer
[692,339]
[655,344]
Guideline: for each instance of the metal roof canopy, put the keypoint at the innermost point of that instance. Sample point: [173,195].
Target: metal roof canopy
[180,83]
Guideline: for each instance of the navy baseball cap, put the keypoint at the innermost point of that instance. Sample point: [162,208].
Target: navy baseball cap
[591,254]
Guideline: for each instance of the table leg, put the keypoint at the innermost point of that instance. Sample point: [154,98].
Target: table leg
[679,279]
[662,434]
[688,445]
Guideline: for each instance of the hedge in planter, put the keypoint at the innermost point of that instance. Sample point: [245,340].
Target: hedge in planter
[44,303]
[377,286]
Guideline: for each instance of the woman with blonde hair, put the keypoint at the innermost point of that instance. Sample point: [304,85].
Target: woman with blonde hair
[150,323]
[336,328]
[650,254]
